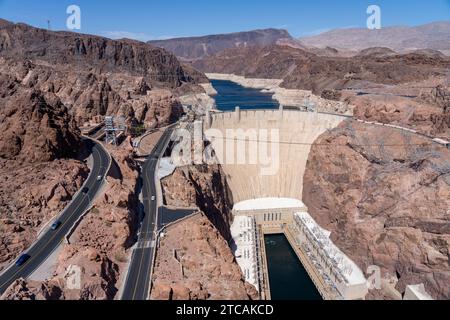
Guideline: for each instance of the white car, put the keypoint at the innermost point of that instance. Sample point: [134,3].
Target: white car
[99,178]
[153,198]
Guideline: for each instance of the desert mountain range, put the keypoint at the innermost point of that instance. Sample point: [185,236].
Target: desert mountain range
[434,36]
[192,48]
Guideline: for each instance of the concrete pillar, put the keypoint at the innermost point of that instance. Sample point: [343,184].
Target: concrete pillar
[237,114]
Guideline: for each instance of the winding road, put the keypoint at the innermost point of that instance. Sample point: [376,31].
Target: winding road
[51,239]
[138,278]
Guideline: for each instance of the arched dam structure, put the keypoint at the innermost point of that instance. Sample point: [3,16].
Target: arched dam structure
[264,154]
[289,135]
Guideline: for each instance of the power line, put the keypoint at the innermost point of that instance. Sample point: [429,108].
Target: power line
[328,144]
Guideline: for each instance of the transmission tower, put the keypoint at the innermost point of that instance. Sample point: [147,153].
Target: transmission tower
[110,131]
[114,125]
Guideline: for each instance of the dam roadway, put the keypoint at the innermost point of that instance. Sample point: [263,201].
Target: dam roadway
[139,274]
[43,247]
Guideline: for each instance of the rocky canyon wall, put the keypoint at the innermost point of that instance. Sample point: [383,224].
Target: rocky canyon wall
[97,76]
[384,194]
[38,170]
[205,187]
[194,260]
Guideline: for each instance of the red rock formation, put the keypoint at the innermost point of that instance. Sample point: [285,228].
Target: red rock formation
[38,180]
[204,187]
[35,126]
[430,116]
[385,196]
[204,266]
[194,262]
[96,76]
[98,274]
[31,195]
[105,55]
[31,290]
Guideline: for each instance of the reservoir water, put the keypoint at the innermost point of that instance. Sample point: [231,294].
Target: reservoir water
[231,95]
[288,278]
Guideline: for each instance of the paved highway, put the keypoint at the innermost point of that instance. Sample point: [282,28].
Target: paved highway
[138,279]
[50,239]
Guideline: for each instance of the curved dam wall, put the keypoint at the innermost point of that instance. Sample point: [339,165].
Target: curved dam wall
[284,136]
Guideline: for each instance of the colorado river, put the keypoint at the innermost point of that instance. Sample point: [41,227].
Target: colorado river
[287,277]
[231,95]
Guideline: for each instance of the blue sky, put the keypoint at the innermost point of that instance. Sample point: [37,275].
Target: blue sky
[156,19]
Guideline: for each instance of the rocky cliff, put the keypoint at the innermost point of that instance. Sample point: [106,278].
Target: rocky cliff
[97,76]
[35,126]
[38,177]
[194,262]
[428,113]
[95,53]
[385,196]
[204,187]
[33,290]
[30,196]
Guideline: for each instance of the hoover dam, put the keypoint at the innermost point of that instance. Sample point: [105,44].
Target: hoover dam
[285,136]
[264,154]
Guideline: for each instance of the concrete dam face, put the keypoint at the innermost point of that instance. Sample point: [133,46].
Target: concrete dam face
[264,152]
